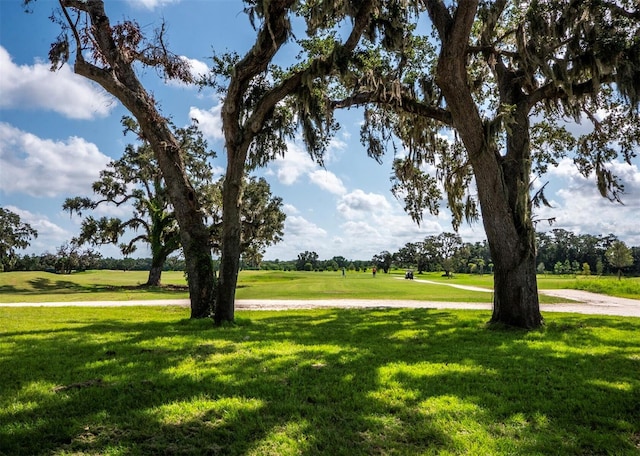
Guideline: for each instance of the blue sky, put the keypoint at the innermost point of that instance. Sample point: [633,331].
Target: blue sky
[58,131]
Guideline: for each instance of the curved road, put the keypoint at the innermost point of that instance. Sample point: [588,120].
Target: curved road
[577,302]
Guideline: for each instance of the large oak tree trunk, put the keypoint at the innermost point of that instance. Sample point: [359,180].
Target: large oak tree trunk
[155,274]
[502,181]
[194,235]
[231,236]
[511,239]
[515,300]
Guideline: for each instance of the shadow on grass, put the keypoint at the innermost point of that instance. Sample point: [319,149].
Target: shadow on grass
[324,382]
[45,285]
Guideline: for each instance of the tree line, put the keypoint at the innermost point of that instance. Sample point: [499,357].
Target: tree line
[558,252]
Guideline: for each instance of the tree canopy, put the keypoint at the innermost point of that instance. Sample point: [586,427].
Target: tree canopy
[14,234]
[619,256]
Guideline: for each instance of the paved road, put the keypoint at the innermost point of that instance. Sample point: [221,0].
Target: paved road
[577,302]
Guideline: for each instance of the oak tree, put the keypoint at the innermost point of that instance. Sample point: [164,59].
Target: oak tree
[14,234]
[135,179]
[263,104]
[619,256]
[482,104]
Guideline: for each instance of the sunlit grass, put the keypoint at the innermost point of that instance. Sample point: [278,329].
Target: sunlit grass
[41,286]
[125,286]
[136,381]
[627,287]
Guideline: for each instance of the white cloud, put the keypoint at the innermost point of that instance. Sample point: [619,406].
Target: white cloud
[43,167]
[209,121]
[151,4]
[198,70]
[359,204]
[301,227]
[50,235]
[290,209]
[336,147]
[293,165]
[579,207]
[39,222]
[300,235]
[35,87]
[328,181]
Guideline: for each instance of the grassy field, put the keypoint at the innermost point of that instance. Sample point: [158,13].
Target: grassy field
[138,381]
[122,286]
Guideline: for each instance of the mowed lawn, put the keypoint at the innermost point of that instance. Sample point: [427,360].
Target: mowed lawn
[147,380]
[124,286]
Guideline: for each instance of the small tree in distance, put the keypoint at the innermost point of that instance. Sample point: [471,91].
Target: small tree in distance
[136,179]
[14,234]
[619,256]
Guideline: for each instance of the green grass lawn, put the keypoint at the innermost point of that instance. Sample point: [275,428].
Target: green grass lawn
[41,286]
[138,381]
[123,286]
[627,287]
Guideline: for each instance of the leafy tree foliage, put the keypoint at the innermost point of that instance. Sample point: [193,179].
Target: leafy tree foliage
[14,234]
[559,246]
[69,258]
[261,219]
[136,179]
[619,256]
[383,260]
[306,258]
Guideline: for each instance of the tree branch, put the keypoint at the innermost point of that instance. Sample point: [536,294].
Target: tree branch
[406,104]
[318,67]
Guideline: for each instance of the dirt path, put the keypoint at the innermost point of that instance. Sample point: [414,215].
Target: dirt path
[581,302]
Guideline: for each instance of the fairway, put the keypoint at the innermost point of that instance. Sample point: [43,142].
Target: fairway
[138,381]
[107,285]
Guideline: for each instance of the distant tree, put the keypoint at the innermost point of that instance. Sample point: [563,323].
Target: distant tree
[306,258]
[383,260]
[136,179]
[261,218]
[541,268]
[635,252]
[449,245]
[341,261]
[69,258]
[586,269]
[14,234]
[480,265]
[430,252]
[619,256]
[407,256]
